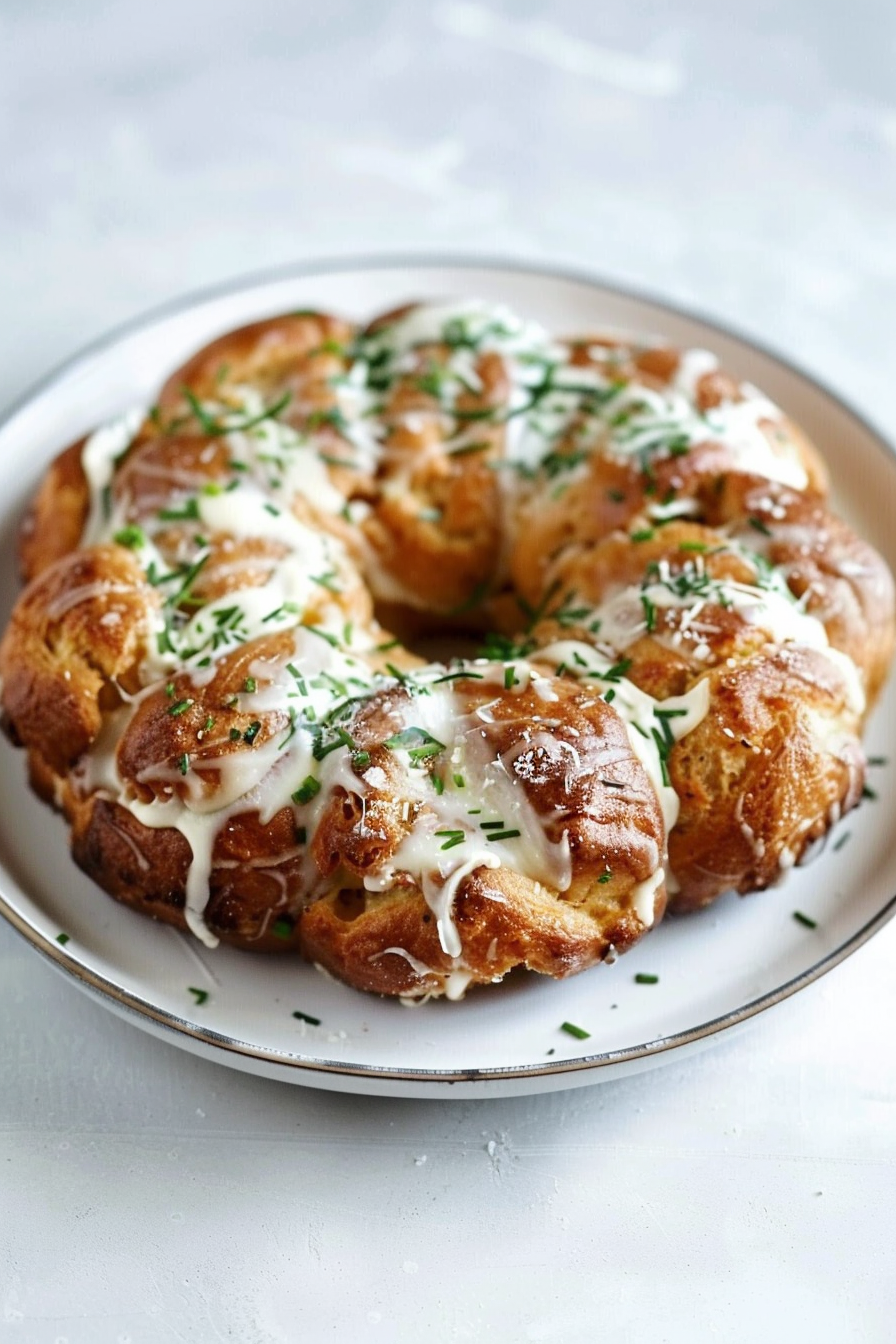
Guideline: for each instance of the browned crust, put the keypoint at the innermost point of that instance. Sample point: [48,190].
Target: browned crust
[504,921]
[295,353]
[775,760]
[841,579]
[53,525]
[264,894]
[614,493]
[252,901]
[78,628]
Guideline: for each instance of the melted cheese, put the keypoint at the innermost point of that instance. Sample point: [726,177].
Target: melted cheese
[98,458]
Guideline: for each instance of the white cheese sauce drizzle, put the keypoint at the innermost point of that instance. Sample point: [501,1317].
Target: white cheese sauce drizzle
[628,613]
[277,464]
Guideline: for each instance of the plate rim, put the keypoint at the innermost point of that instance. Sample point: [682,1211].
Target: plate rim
[300,1068]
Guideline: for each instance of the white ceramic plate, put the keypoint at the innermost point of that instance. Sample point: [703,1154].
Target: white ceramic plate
[715,970]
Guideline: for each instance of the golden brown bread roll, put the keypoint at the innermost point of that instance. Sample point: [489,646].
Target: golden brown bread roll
[687,642]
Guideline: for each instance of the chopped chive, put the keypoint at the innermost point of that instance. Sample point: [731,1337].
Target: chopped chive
[480,446]
[342,739]
[163,641]
[664,760]
[479,592]
[805,920]
[62,939]
[327,581]
[605,877]
[306,1017]
[282,928]
[290,732]
[438,784]
[452,838]
[503,835]
[209,724]
[183,764]
[308,790]
[423,752]
[644,978]
[839,843]
[458,676]
[180,707]
[617,671]
[252,732]
[459,782]
[190,511]
[642,534]
[332,416]
[250,685]
[235,734]
[509,678]
[131,536]
[869,793]
[417,742]
[169,689]
[760,526]
[200,995]
[878,760]
[572,1030]
[322,634]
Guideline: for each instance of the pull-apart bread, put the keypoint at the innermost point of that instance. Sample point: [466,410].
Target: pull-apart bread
[670,645]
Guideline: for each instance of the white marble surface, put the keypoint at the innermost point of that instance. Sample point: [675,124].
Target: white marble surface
[741,160]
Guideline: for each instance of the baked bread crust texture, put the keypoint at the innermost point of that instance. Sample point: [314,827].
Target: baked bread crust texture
[213,672]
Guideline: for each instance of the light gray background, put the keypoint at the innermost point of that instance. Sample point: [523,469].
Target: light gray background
[741,158]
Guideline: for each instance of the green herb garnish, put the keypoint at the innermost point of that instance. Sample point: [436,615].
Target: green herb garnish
[131,536]
[308,790]
[452,838]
